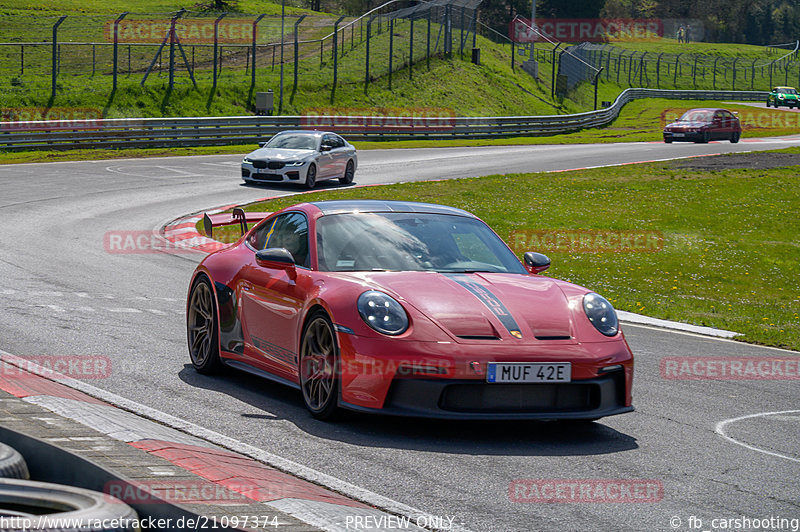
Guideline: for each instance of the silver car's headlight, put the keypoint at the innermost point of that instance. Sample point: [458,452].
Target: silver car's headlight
[247,161]
[601,314]
[295,163]
[382,312]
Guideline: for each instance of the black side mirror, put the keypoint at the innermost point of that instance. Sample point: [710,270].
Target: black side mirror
[325,147]
[275,258]
[262,144]
[536,262]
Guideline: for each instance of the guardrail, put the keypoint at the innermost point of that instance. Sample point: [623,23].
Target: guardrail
[166,132]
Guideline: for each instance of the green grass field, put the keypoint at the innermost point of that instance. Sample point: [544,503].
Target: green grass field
[730,245]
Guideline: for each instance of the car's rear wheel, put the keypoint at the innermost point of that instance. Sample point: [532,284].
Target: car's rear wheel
[735,138]
[349,172]
[319,365]
[311,176]
[202,329]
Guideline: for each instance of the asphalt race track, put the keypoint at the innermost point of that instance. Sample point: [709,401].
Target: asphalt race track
[63,293]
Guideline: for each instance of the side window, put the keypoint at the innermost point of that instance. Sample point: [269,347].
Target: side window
[258,238]
[291,232]
[327,140]
[338,142]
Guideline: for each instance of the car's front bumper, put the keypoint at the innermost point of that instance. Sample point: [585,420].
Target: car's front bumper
[287,174]
[683,136]
[438,379]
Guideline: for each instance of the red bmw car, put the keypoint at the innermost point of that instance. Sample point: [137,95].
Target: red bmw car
[407,309]
[704,125]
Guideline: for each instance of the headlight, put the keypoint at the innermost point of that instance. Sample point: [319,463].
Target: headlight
[247,161]
[382,312]
[601,314]
[295,163]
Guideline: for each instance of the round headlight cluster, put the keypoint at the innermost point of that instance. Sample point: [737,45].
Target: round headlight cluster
[601,314]
[382,312]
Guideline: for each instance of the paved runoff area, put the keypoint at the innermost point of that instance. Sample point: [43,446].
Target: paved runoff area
[157,463]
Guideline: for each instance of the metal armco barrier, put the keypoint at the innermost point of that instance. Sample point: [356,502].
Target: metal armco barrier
[166,132]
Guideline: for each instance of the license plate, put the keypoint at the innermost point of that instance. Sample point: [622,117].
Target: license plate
[529,372]
[679,134]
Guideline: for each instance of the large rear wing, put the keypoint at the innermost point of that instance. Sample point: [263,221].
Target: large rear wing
[210,221]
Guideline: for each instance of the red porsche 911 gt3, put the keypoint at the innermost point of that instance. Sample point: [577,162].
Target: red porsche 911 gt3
[406,309]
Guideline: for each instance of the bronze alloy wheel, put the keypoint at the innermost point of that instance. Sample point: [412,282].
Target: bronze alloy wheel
[201,327]
[319,367]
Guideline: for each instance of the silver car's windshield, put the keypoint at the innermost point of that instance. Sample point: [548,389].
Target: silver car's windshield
[411,242]
[293,142]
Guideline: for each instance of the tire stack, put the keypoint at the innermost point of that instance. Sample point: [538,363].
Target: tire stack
[41,506]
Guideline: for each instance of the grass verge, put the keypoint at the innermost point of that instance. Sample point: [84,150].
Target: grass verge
[730,246]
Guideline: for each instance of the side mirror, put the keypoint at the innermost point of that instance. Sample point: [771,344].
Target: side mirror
[275,258]
[262,144]
[536,262]
[325,147]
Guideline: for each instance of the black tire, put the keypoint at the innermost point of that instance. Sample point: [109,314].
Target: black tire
[735,138]
[56,508]
[311,176]
[202,328]
[319,367]
[767,103]
[668,140]
[706,137]
[12,464]
[349,172]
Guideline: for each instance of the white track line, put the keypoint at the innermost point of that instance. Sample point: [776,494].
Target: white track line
[720,429]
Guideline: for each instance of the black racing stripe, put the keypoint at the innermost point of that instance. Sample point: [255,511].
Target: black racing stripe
[491,301]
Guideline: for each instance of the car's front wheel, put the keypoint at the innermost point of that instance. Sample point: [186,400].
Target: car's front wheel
[349,172]
[201,328]
[311,176]
[735,138]
[668,140]
[319,367]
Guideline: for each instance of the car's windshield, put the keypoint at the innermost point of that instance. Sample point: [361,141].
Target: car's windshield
[696,116]
[786,90]
[293,142]
[410,242]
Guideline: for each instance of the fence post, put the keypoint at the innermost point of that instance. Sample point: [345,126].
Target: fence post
[428,45]
[753,73]
[335,55]
[116,51]
[715,72]
[296,52]
[553,79]
[172,23]
[216,45]
[54,61]
[253,53]
[694,72]
[21,59]
[475,28]
[675,77]
[658,71]
[461,40]
[366,62]
[411,50]
[391,49]
[596,77]
[641,68]
[734,73]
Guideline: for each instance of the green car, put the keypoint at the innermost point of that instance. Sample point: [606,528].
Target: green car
[783,96]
